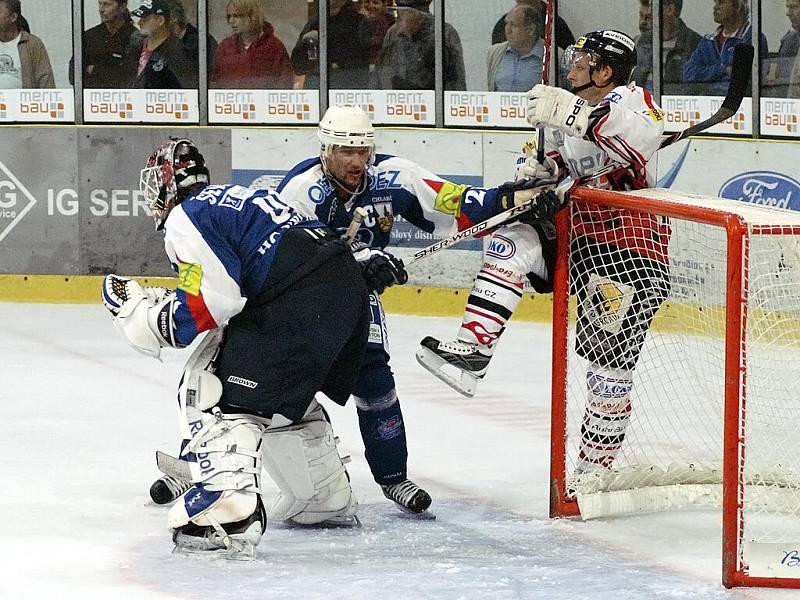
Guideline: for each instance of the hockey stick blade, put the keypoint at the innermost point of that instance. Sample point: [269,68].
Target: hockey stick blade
[175,467]
[741,70]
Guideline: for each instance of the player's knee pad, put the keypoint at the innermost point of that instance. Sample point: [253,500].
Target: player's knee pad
[304,463]
[224,460]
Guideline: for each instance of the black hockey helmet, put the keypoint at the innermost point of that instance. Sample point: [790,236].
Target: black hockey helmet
[605,48]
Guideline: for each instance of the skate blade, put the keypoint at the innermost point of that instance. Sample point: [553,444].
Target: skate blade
[412,516]
[463,382]
[240,550]
[348,522]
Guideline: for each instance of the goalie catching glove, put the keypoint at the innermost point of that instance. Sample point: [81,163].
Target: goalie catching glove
[380,269]
[553,107]
[142,314]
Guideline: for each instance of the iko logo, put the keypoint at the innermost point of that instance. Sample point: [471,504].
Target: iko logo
[763,187]
[501,247]
[15,201]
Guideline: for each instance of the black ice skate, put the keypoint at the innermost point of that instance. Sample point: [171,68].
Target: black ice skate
[459,364]
[167,489]
[235,541]
[408,496]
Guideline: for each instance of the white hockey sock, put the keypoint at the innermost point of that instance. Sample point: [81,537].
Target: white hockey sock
[606,418]
[492,301]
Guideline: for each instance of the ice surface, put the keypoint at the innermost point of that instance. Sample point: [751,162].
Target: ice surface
[82,415]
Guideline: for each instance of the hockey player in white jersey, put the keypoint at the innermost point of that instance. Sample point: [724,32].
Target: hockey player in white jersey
[285,304]
[605,119]
[348,174]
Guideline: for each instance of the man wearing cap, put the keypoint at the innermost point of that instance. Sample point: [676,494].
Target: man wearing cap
[159,57]
[406,60]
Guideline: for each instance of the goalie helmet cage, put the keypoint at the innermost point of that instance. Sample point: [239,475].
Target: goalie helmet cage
[715,408]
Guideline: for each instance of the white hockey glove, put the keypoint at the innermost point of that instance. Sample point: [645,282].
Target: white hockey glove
[380,269]
[117,290]
[533,169]
[560,109]
[142,315]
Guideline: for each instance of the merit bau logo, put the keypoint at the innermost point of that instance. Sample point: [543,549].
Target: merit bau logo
[470,107]
[48,105]
[240,105]
[407,106]
[781,115]
[111,105]
[295,105]
[737,121]
[365,100]
[763,187]
[166,104]
[15,201]
[684,112]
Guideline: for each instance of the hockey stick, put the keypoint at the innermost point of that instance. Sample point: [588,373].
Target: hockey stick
[740,76]
[548,25]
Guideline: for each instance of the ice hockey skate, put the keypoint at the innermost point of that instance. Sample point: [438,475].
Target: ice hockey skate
[459,364]
[234,541]
[410,498]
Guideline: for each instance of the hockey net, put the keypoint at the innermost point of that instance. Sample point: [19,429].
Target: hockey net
[715,401]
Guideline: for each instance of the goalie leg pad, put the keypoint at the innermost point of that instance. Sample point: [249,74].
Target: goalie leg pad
[304,463]
[606,418]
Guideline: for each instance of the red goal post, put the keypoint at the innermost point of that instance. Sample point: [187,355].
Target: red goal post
[715,399]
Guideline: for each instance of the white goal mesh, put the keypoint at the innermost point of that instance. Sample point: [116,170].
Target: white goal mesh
[674,445]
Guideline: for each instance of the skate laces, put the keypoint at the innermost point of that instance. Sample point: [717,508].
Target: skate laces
[458,347]
[402,492]
[176,486]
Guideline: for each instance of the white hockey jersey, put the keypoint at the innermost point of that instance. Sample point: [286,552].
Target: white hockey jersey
[625,128]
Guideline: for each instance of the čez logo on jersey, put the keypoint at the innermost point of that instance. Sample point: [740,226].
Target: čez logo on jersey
[763,187]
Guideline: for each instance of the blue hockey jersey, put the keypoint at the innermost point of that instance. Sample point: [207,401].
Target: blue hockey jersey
[396,186]
[222,243]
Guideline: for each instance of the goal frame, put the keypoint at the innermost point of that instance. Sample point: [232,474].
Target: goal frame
[738,233]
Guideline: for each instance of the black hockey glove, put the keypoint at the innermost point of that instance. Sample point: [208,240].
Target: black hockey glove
[544,209]
[380,269]
[515,193]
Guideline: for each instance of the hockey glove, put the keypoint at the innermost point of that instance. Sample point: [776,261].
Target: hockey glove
[554,107]
[380,269]
[547,204]
[533,169]
[117,291]
[515,193]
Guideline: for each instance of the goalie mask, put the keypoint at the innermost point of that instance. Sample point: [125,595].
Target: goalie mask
[172,171]
[345,126]
[603,48]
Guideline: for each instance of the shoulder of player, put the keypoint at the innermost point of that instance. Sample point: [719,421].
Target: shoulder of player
[631,96]
[309,170]
[390,162]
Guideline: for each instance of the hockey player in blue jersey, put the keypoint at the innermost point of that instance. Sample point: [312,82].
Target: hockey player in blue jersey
[348,174]
[294,304]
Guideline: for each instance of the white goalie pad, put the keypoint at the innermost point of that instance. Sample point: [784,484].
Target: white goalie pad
[304,463]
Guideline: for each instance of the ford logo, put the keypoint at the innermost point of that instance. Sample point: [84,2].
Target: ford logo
[763,187]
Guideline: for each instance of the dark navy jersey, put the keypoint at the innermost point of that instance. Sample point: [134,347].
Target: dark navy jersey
[222,242]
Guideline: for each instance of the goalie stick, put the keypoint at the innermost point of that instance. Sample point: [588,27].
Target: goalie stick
[740,76]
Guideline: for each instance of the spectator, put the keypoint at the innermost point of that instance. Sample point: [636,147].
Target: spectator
[794,79]
[564,36]
[159,56]
[23,58]
[188,34]
[406,60]
[349,35]
[712,58]
[104,48]
[678,43]
[381,19]
[252,57]
[516,65]
[777,68]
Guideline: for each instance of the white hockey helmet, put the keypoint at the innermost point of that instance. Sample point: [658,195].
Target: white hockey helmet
[345,125]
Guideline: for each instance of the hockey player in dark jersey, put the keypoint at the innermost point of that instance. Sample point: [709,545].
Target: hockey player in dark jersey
[606,119]
[348,174]
[285,304]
